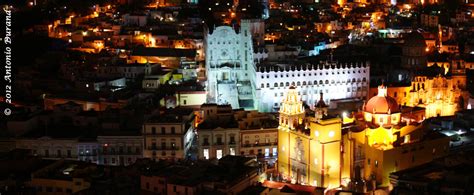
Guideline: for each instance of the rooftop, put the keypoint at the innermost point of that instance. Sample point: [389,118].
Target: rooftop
[165,52]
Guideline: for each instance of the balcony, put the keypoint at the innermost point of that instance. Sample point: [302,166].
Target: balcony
[259,144]
[163,148]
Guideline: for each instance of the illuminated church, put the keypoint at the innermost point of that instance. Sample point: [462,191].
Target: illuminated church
[354,151]
[229,67]
[441,96]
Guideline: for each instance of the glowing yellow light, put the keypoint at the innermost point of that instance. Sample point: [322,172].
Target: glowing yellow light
[316,133]
[331,133]
[340,2]
[381,136]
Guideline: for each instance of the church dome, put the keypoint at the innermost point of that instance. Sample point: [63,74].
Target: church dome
[414,39]
[381,103]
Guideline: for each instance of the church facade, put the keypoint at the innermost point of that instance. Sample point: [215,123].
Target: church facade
[230,68]
[441,96]
[358,151]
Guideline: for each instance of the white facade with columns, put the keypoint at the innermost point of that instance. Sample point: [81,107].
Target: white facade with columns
[335,80]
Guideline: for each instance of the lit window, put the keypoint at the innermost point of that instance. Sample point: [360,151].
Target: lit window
[267,152]
[232,151]
[219,154]
[316,133]
[331,133]
[315,161]
[206,153]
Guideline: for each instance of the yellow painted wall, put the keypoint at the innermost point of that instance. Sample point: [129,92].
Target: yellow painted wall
[191,99]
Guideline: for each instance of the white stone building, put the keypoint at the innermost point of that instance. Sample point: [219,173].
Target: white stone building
[334,80]
[229,67]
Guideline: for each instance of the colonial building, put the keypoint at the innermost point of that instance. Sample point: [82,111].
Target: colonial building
[169,135]
[438,93]
[309,146]
[329,152]
[229,67]
[49,148]
[119,148]
[336,80]
[62,177]
[441,96]
[414,51]
[390,144]
[218,132]
[258,135]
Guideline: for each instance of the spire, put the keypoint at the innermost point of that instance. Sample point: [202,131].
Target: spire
[321,103]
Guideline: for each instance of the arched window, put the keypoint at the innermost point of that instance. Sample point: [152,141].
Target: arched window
[275,85]
[304,83]
[353,80]
[268,84]
[326,82]
[263,85]
[364,79]
[293,83]
[281,84]
[315,82]
[298,83]
[287,84]
[332,81]
[321,82]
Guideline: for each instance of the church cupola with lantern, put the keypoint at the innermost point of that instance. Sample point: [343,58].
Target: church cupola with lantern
[382,116]
[382,110]
[292,112]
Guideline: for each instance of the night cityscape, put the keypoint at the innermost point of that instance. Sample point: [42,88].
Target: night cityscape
[237,97]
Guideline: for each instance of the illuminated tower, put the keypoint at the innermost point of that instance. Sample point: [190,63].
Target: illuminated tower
[291,110]
[309,148]
[291,147]
[320,109]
